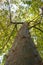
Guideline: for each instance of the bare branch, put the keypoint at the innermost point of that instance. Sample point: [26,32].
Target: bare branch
[34,25]
[9,11]
[39,29]
[24,22]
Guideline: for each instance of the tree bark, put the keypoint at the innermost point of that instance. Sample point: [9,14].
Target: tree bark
[23,51]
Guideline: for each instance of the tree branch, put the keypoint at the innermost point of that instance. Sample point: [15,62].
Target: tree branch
[39,29]
[9,11]
[24,22]
[8,38]
[34,25]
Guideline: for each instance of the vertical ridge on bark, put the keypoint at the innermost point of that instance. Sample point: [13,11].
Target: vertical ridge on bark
[23,51]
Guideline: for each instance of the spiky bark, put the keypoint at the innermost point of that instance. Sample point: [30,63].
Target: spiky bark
[23,51]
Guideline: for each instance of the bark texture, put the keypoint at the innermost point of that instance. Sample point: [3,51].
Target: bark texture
[23,51]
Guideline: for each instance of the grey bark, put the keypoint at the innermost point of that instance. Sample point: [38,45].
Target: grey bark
[23,51]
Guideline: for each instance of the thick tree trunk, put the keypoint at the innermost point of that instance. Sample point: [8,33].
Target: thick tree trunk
[23,51]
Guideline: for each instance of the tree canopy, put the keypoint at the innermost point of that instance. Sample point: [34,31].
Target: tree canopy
[30,11]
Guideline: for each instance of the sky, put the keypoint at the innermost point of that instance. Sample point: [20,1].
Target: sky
[1,58]
[13,8]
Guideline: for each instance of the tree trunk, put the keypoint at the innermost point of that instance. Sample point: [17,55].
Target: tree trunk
[23,51]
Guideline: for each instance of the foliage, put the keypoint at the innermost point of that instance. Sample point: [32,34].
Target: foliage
[29,12]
